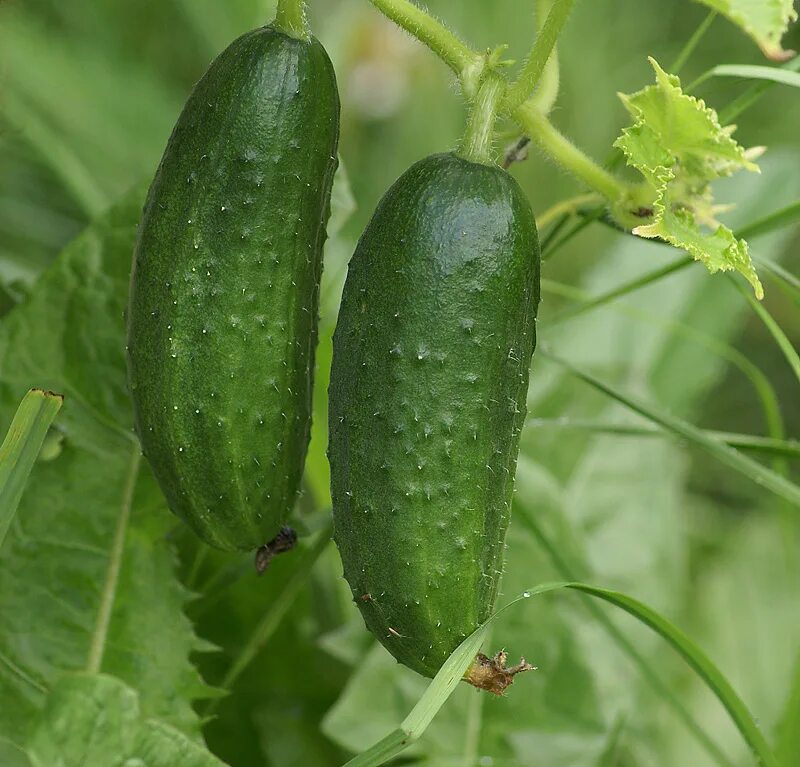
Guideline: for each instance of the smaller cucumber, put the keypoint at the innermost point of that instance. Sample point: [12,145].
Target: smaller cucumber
[222,319]
[427,401]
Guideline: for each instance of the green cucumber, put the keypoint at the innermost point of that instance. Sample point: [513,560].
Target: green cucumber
[427,401]
[222,318]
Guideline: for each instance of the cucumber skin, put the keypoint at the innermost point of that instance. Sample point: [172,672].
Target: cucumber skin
[427,401]
[223,308]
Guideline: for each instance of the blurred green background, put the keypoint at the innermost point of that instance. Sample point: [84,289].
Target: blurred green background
[89,91]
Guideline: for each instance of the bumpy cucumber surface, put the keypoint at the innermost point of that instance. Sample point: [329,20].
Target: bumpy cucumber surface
[427,401]
[222,319]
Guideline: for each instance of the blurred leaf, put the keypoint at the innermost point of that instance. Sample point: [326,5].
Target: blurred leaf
[698,660]
[741,463]
[765,21]
[85,571]
[678,145]
[21,447]
[750,72]
[96,721]
[745,604]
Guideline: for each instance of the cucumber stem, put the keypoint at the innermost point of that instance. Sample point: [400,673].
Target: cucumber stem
[523,88]
[430,31]
[291,19]
[567,155]
[477,142]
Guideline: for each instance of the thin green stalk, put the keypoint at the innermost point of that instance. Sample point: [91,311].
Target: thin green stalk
[770,405]
[754,443]
[550,250]
[568,207]
[476,145]
[692,43]
[752,95]
[474,723]
[291,19]
[546,93]
[567,155]
[97,648]
[784,344]
[747,467]
[197,564]
[273,616]
[555,230]
[622,290]
[785,280]
[546,40]
[783,217]
[465,62]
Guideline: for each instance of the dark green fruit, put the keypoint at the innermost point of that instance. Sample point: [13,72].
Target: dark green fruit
[427,401]
[222,320]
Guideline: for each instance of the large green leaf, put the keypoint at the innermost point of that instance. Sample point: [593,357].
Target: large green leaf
[86,573]
[94,720]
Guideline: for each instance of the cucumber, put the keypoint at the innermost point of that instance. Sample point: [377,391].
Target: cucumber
[427,401]
[222,315]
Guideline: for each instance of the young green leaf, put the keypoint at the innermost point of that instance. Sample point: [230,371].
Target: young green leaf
[96,720]
[20,448]
[765,21]
[679,146]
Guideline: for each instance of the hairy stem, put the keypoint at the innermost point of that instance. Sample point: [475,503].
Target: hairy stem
[291,19]
[455,53]
[477,142]
[523,88]
[558,148]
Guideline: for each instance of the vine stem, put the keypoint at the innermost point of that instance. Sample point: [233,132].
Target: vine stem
[477,142]
[523,88]
[692,43]
[566,154]
[291,19]
[546,93]
[567,207]
[100,634]
[465,62]
[470,67]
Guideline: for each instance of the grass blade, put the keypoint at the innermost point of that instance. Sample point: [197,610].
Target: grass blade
[525,516]
[785,448]
[623,290]
[697,660]
[437,693]
[454,668]
[754,72]
[785,345]
[749,468]
[21,447]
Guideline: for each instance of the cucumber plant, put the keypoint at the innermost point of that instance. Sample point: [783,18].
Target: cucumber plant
[222,319]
